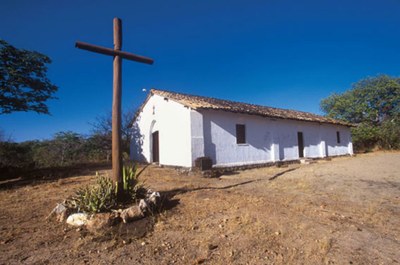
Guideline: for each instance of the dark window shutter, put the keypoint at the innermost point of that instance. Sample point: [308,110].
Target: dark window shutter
[240,134]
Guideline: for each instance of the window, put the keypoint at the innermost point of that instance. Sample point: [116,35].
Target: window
[240,134]
[338,137]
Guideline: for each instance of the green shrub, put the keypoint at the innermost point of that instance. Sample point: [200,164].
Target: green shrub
[389,134]
[131,187]
[15,155]
[385,135]
[365,137]
[100,197]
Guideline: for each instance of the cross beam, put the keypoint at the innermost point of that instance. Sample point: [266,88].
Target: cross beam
[117,92]
[112,52]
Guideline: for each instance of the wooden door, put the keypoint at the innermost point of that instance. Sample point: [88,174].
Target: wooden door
[300,142]
[156,147]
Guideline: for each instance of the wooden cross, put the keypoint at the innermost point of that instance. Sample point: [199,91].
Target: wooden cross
[117,91]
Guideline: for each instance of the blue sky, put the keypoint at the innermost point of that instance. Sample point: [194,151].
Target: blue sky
[280,53]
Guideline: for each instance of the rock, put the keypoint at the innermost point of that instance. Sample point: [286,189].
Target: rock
[201,261]
[137,212]
[60,211]
[63,216]
[212,246]
[154,198]
[77,219]
[143,206]
[132,213]
[100,222]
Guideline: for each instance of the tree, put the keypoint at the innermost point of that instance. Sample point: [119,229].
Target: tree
[66,148]
[15,155]
[23,80]
[103,126]
[98,147]
[374,104]
[370,100]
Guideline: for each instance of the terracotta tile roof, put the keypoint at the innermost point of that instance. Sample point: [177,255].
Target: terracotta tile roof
[199,102]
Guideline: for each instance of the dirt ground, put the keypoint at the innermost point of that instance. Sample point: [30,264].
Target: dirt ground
[343,211]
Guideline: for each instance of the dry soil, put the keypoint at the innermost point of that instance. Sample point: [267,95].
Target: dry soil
[343,211]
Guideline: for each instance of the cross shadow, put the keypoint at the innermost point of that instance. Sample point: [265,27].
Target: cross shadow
[172,193]
[143,169]
[281,173]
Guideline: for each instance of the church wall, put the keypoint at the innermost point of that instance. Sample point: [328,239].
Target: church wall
[267,139]
[172,120]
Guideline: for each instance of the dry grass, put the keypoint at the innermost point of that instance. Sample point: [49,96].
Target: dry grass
[337,212]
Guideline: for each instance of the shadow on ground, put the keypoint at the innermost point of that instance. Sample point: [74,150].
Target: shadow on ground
[36,176]
[172,193]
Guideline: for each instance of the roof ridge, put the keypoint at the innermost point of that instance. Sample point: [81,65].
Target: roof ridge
[228,100]
[203,102]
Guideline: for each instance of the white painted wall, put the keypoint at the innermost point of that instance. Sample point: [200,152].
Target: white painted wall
[186,134]
[197,135]
[219,130]
[172,120]
[268,139]
[331,146]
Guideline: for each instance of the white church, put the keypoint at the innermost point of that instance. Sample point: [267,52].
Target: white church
[175,129]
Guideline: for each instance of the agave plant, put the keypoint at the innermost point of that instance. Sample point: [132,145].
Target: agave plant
[132,188]
[100,197]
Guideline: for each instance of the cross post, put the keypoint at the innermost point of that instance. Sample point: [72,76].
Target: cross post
[117,93]
[116,108]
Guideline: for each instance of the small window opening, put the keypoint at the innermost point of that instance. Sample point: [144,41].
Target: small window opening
[338,137]
[240,134]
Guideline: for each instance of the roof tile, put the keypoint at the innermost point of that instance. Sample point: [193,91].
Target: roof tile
[200,102]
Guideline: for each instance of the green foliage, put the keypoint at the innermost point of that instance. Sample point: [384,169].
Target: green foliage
[365,136]
[15,155]
[23,81]
[374,105]
[370,100]
[386,136]
[97,147]
[66,148]
[131,186]
[100,197]
[389,134]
